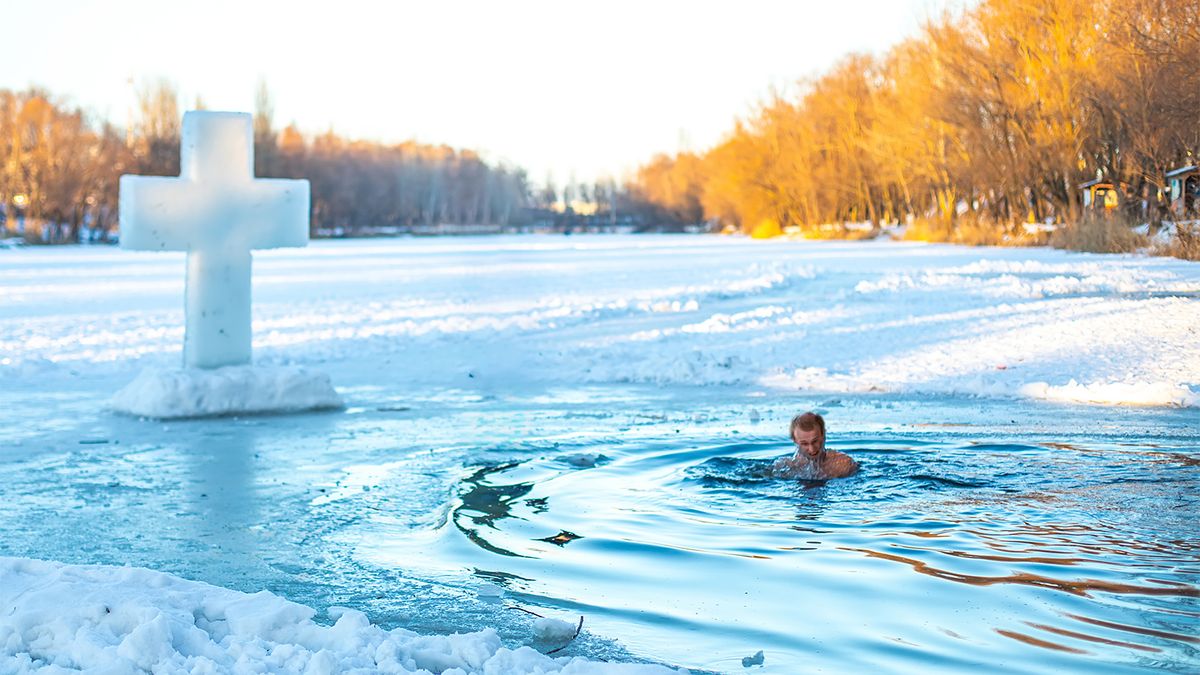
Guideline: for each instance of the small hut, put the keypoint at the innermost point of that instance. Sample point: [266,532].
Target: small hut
[1183,189]
[1099,193]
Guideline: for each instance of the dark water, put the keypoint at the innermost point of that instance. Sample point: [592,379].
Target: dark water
[983,535]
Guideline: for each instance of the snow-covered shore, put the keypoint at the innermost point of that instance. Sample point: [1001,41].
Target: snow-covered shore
[818,316]
[58,618]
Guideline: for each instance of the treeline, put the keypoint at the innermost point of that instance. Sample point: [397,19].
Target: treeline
[59,170]
[991,115]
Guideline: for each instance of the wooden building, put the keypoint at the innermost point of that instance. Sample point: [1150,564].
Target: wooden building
[1183,189]
[1099,193]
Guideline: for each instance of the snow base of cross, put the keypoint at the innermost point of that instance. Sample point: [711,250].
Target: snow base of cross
[173,393]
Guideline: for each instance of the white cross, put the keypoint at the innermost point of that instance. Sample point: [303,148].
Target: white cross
[217,211]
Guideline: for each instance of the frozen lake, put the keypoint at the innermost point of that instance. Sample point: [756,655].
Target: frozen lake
[583,423]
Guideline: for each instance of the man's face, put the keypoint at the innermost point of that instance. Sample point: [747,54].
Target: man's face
[809,444]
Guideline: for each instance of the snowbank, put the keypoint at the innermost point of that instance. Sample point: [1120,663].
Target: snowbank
[55,618]
[1097,393]
[190,392]
[1115,393]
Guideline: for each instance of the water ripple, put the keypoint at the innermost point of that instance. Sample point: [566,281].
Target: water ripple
[1015,522]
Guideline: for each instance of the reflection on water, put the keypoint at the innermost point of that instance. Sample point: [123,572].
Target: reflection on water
[483,504]
[222,513]
[1081,555]
[1078,587]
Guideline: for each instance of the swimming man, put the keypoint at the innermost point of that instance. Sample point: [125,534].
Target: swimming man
[811,460]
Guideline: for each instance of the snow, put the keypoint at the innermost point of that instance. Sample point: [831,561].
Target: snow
[1032,279]
[1120,350]
[553,630]
[1128,393]
[232,390]
[58,618]
[891,317]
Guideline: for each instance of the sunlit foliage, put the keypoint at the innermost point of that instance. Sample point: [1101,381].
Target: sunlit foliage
[990,117]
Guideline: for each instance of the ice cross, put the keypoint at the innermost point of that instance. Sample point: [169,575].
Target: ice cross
[217,211]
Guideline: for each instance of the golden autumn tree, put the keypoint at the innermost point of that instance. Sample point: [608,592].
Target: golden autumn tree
[988,118]
[1147,98]
[738,186]
[673,185]
[55,169]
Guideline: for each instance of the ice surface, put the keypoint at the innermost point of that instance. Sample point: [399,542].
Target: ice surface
[64,618]
[217,211]
[820,317]
[495,330]
[194,392]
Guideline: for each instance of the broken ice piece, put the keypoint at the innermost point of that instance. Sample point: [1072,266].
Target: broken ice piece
[553,630]
[489,591]
[756,660]
[583,459]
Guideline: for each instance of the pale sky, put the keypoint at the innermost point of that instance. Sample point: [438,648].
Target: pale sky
[586,88]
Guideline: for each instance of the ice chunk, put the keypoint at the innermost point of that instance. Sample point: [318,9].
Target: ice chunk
[584,460]
[489,591]
[553,630]
[756,660]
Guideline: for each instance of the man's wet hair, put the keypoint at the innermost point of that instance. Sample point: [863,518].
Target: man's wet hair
[807,422]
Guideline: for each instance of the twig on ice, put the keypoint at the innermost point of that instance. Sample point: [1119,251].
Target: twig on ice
[527,611]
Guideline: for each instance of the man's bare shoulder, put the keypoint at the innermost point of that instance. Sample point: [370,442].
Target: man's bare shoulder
[840,465]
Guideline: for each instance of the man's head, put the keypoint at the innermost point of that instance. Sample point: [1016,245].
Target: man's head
[808,433]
